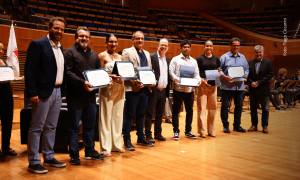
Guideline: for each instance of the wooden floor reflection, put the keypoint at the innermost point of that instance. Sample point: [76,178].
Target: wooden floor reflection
[228,156]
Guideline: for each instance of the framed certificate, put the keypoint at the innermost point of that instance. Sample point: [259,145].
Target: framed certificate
[97,78]
[236,71]
[6,73]
[213,77]
[125,69]
[191,82]
[146,76]
[187,71]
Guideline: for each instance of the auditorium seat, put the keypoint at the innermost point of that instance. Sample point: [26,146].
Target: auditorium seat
[43,10]
[71,28]
[52,5]
[89,23]
[129,28]
[108,19]
[100,18]
[105,25]
[79,22]
[82,16]
[102,32]
[87,10]
[97,24]
[91,17]
[131,22]
[33,9]
[73,14]
[70,8]
[93,31]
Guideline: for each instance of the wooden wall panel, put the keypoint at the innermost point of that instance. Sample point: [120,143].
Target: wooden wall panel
[24,36]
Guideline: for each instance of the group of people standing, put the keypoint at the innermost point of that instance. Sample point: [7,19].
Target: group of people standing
[49,72]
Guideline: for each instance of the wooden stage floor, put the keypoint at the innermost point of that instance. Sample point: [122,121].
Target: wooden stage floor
[228,156]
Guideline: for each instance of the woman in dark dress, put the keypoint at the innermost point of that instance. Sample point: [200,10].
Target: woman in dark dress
[6,111]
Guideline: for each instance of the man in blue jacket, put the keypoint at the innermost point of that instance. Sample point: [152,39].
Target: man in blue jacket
[44,72]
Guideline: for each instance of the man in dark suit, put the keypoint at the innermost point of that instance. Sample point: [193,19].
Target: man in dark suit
[157,99]
[44,72]
[261,71]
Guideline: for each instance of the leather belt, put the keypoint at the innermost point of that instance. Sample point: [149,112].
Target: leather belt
[57,86]
[160,89]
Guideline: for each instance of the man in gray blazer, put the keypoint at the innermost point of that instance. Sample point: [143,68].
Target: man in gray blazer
[136,94]
[157,99]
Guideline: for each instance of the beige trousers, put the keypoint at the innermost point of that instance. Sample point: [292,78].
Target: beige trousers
[207,98]
[111,117]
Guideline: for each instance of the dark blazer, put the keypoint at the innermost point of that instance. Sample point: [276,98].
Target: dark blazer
[266,72]
[294,77]
[40,69]
[155,67]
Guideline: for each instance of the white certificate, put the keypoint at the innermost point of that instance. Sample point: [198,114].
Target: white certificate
[126,69]
[6,73]
[147,77]
[235,72]
[189,82]
[97,78]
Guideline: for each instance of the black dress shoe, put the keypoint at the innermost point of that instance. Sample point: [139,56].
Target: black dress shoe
[289,105]
[150,139]
[144,142]
[129,146]
[159,137]
[239,129]
[278,108]
[226,129]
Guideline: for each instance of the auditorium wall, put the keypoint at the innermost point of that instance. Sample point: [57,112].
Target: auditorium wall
[24,36]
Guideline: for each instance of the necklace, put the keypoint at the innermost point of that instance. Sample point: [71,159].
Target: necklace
[113,54]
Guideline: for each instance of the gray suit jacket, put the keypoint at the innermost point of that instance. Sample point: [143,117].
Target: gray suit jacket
[130,54]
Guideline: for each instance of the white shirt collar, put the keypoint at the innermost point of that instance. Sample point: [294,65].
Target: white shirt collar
[160,56]
[52,43]
[183,57]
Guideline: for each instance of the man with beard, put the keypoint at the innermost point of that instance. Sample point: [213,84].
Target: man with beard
[44,70]
[80,98]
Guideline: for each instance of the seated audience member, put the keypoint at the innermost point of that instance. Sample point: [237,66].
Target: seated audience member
[297,89]
[274,97]
[287,94]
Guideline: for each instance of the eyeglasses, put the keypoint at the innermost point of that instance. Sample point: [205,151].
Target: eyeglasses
[163,45]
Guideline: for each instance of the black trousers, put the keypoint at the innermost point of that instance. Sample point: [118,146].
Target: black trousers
[264,101]
[287,94]
[188,99]
[274,97]
[156,104]
[6,113]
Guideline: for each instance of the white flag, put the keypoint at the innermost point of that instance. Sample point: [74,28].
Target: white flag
[12,51]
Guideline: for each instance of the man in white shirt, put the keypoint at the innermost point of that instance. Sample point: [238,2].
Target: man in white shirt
[44,70]
[183,93]
[157,99]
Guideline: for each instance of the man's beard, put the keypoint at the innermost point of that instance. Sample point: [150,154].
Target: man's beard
[83,46]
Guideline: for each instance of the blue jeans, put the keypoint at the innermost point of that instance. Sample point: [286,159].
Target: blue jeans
[135,103]
[44,119]
[86,111]
[227,95]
